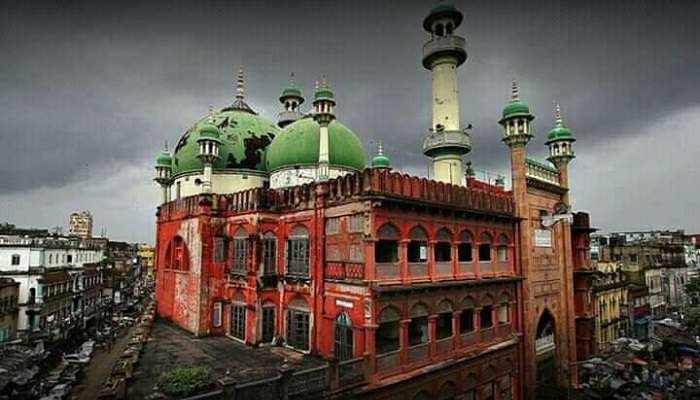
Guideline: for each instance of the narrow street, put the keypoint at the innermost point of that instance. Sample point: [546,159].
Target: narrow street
[99,368]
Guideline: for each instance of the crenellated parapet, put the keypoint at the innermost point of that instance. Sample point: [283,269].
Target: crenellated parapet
[370,183]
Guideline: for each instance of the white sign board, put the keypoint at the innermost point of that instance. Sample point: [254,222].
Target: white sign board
[543,238]
[343,303]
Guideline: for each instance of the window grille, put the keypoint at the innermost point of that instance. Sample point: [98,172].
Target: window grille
[298,329]
[238,312]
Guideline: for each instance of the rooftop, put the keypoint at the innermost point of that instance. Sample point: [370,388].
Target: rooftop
[171,346]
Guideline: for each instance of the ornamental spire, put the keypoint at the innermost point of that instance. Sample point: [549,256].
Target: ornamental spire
[210,117]
[240,84]
[380,148]
[515,91]
[557,116]
[165,149]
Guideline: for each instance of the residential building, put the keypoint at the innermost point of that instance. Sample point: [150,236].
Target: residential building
[146,256]
[447,286]
[584,280]
[9,309]
[80,224]
[639,319]
[610,302]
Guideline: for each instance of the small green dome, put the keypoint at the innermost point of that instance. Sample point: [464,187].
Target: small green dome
[381,161]
[559,132]
[244,137]
[297,145]
[516,108]
[207,130]
[323,93]
[164,159]
[291,91]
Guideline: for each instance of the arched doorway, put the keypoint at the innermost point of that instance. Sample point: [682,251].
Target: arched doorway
[343,337]
[545,350]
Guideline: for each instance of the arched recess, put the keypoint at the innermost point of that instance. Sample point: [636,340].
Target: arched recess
[176,255]
[444,319]
[343,348]
[485,241]
[298,251]
[240,250]
[298,323]
[387,333]
[418,245]
[466,243]
[386,249]
[418,327]
[443,247]
[545,349]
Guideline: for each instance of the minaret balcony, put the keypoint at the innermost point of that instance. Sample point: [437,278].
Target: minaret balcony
[447,140]
[288,116]
[441,46]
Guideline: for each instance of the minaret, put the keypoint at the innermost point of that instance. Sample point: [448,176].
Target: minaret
[381,161]
[164,167]
[209,144]
[517,132]
[291,98]
[446,142]
[561,151]
[323,114]
[239,102]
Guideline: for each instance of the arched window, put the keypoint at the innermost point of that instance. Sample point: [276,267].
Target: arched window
[268,321]
[485,247]
[240,251]
[418,245]
[386,249]
[298,324]
[486,313]
[269,245]
[298,252]
[343,337]
[418,327]
[387,334]
[444,319]
[238,316]
[502,249]
[465,247]
[50,258]
[466,319]
[443,247]
[440,30]
[15,259]
[176,256]
[504,309]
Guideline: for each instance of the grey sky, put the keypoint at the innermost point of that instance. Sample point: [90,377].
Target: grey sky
[89,91]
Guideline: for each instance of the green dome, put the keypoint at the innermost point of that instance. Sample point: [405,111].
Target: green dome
[207,130]
[516,108]
[559,132]
[297,145]
[291,91]
[323,93]
[164,159]
[381,161]
[244,139]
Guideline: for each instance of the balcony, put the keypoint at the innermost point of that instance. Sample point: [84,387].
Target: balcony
[486,335]
[444,46]
[387,270]
[446,139]
[418,352]
[445,345]
[418,270]
[443,268]
[345,270]
[467,339]
[388,361]
[503,330]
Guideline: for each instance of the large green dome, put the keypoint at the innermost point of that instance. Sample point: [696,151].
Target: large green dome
[559,132]
[244,139]
[297,145]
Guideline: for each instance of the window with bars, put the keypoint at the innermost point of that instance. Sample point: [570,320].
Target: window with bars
[269,245]
[298,329]
[237,324]
[240,247]
[219,249]
[343,338]
[268,323]
[357,223]
[332,226]
[298,257]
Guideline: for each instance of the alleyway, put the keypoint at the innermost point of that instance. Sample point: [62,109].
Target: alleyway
[99,369]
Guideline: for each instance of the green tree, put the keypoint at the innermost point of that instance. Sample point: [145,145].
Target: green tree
[183,382]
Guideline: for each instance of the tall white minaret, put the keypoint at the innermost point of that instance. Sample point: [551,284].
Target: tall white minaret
[324,106]
[447,141]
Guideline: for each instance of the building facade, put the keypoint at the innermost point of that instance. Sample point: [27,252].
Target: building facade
[80,224]
[9,309]
[50,271]
[450,285]
[611,303]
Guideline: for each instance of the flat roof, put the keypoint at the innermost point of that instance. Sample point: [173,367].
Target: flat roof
[169,347]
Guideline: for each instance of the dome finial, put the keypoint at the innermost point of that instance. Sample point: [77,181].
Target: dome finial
[380,148]
[210,117]
[557,116]
[515,91]
[240,84]
[166,146]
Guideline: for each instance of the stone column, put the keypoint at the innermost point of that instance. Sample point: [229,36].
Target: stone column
[403,260]
[477,325]
[431,259]
[403,341]
[456,338]
[432,335]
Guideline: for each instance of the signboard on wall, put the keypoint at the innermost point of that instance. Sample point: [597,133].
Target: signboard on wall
[543,238]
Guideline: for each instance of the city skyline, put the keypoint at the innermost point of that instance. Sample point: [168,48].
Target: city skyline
[109,85]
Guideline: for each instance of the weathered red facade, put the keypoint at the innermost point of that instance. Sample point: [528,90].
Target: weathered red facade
[395,272]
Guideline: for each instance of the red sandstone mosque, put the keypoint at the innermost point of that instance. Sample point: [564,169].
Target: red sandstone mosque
[449,287]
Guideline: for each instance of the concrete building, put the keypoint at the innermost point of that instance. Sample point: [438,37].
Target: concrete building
[146,255]
[50,271]
[80,224]
[440,286]
[611,303]
[9,309]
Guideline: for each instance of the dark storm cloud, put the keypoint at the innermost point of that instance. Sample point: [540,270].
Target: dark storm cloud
[89,88]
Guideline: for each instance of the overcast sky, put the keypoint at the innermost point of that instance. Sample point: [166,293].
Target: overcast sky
[90,90]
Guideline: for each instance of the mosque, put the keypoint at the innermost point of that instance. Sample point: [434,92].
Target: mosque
[285,234]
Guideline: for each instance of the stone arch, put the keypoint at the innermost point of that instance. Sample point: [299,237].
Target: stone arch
[545,350]
[388,232]
[176,254]
[418,233]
